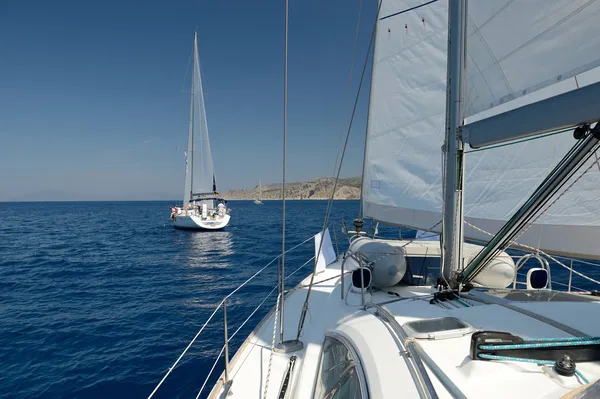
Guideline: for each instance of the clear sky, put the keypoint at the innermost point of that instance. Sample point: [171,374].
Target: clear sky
[94,95]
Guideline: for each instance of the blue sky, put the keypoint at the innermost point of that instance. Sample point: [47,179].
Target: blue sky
[94,96]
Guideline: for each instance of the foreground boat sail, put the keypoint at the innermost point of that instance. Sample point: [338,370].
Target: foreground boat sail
[202,208]
[441,318]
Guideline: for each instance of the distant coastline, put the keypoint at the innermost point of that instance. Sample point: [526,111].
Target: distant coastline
[319,189]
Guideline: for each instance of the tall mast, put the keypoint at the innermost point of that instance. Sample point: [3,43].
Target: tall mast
[191,138]
[452,218]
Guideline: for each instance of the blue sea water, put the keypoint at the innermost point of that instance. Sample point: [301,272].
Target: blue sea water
[98,299]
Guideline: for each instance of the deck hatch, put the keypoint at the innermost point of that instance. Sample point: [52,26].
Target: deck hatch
[439,328]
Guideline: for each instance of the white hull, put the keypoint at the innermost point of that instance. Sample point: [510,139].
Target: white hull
[198,223]
[258,202]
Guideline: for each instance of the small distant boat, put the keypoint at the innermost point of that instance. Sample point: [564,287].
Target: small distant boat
[259,200]
[202,208]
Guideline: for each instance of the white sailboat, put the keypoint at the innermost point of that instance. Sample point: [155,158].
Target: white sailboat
[202,207]
[259,200]
[442,318]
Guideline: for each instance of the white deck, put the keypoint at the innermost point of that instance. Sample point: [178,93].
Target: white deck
[385,368]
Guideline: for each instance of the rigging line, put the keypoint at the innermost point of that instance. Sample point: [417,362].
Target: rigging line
[337,156]
[537,250]
[519,141]
[282,281]
[186,349]
[330,203]
[186,70]
[408,9]
[527,227]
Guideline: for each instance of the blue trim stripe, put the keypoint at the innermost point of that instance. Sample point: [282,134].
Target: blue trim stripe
[408,9]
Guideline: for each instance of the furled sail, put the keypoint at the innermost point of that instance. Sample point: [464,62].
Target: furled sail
[403,168]
[200,172]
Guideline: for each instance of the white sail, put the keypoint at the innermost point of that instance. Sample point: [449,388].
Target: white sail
[521,52]
[517,47]
[402,176]
[200,173]
[402,181]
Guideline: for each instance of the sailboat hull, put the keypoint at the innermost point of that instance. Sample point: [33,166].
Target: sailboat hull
[198,223]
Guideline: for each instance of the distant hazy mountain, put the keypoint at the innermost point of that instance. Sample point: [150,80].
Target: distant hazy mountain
[348,188]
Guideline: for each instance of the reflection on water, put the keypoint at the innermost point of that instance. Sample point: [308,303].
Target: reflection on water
[209,249]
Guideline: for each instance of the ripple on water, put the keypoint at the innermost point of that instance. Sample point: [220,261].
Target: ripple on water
[97,300]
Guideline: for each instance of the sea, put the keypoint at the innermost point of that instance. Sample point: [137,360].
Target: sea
[98,299]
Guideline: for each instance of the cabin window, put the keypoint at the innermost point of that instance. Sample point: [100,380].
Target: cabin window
[338,372]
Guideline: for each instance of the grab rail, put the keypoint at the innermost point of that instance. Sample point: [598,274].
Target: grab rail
[543,262]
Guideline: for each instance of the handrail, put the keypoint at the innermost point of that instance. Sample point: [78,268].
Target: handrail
[554,258]
[221,303]
[543,262]
[244,323]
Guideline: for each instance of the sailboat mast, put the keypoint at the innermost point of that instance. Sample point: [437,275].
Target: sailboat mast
[191,138]
[452,218]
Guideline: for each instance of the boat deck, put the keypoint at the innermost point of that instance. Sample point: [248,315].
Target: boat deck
[384,364]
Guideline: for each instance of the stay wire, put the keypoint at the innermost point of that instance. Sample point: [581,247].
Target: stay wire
[330,203]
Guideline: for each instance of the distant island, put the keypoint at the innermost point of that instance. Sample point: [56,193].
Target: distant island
[347,189]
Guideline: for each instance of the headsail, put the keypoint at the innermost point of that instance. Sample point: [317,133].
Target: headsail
[406,115]
[200,173]
[402,183]
[402,180]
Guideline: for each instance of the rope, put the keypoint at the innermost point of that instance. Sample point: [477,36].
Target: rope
[243,324]
[337,177]
[272,347]
[215,311]
[337,156]
[545,343]
[230,338]
[285,73]
[541,252]
[524,360]
[186,349]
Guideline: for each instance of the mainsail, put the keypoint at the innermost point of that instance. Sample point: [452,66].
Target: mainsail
[200,171]
[509,45]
